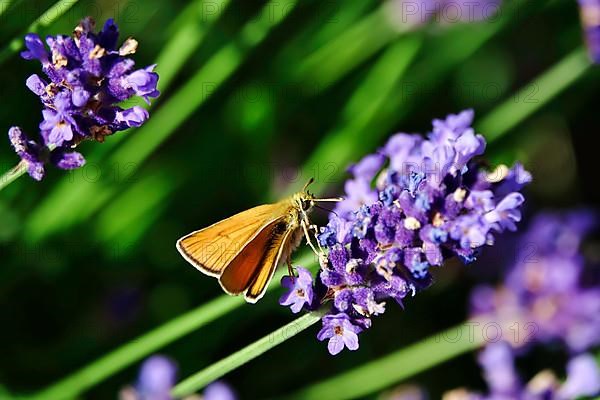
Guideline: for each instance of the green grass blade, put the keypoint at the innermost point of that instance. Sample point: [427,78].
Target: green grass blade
[395,367]
[535,95]
[248,353]
[143,346]
[57,10]
[75,201]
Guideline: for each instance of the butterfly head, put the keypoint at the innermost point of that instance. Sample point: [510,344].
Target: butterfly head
[304,200]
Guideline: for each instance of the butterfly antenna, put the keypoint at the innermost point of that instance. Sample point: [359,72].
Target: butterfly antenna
[310,182]
[326,209]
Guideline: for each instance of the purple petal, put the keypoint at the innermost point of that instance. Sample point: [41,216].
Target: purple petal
[80,97]
[67,161]
[109,35]
[325,333]
[132,117]
[335,345]
[36,85]
[143,82]
[219,391]
[350,340]
[368,166]
[36,170]
[157,377]
[583,378]
[35,48]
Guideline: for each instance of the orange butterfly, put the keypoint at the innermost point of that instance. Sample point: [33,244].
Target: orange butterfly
[244,250]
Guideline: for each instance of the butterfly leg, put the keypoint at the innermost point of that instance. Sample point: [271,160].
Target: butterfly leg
[307,234]
[316,230]
[291,270]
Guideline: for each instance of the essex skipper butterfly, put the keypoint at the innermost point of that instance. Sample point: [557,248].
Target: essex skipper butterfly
[244,250]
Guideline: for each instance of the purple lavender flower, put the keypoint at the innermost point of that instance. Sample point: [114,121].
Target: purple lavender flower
[157,377]
[29,151]
[431,201]
[87,78]
[36,155]
[219,391]
[548,286]
[340,332]
[497,361]
[588,11]
[300,290]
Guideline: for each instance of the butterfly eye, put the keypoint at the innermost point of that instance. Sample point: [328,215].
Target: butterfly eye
[306,204]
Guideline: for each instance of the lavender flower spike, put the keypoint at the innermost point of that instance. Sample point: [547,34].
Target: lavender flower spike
[497,361]
[550,289]
[431,200]
[87,77]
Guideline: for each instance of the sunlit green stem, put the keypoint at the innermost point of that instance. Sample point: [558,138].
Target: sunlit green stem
[13,174]
[57,10]
[248,353]
[393,368]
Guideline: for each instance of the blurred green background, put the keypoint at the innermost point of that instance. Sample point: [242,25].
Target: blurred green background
[257,98]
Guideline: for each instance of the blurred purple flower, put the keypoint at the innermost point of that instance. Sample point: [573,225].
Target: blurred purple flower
[583,378]
[421,201]
[87,78]
[157,377]
[547,286]
[588,12]
[497,361]
[219,391]
[499,372]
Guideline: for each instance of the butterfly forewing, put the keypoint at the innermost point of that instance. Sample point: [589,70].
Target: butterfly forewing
[213,248]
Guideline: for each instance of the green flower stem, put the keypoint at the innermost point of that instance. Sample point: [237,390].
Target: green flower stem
[57,10]
[248,353]
[13,174]
[535,95]
[89,196]
[143,346]
[404,363]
